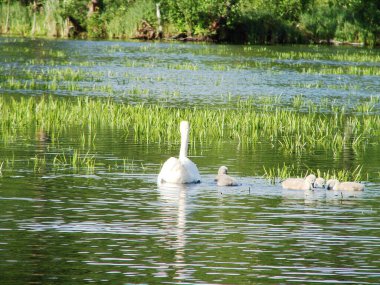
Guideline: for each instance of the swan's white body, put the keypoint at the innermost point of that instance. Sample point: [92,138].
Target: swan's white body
[223,179]
[180,170]
[348,186]
[319,182]
[299,183]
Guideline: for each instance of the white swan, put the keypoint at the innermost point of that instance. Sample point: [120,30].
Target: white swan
[348,186]
[299,183]
[223,179]
[330,183]
[180,170]
[320,182]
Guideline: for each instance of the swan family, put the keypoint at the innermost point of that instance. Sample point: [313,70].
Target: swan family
[182,170]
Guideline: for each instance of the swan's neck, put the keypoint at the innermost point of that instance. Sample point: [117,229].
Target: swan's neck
[184,143]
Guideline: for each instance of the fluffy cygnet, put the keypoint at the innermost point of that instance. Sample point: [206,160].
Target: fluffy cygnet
[319,182]
[348,186]
[223,179]
[299,183]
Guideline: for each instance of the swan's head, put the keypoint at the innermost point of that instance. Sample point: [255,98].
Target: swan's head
[311,179]
[222,170]
[184,127]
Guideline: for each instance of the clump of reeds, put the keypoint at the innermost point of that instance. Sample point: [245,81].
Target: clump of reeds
[276,174]
[294,132]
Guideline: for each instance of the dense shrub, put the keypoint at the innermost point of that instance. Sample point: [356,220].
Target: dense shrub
[243,21]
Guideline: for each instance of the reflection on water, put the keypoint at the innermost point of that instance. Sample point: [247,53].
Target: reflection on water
[173,212]
[317,195]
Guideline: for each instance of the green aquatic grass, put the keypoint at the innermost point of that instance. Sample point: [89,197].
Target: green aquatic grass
[79,160]
[349,54]
[73,73]
[369,105]
[311,59]
[275,53]
[39,162]
[75,161]
[320,84]
[339,70]
[55,84]
[279,173]
[294,132]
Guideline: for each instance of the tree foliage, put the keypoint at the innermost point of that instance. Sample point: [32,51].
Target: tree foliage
[366,14]
[261,21]
[322,22]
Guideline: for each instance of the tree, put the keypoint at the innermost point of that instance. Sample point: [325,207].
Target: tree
[322,22]
[366,14]
[199,17]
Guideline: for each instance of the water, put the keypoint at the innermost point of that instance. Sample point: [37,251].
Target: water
[119,228]
[194,74]
[116,226]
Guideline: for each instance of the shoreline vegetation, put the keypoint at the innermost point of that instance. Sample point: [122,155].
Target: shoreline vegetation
[229,21]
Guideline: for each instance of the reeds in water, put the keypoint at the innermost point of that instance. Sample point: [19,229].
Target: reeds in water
[276,174]
[294,132]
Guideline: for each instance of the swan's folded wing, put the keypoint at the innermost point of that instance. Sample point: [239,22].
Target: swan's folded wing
[191,173]
[179,171]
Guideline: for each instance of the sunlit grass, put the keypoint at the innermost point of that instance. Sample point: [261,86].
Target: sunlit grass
[317,53]
[39,162]
[294,132]
[339,70]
